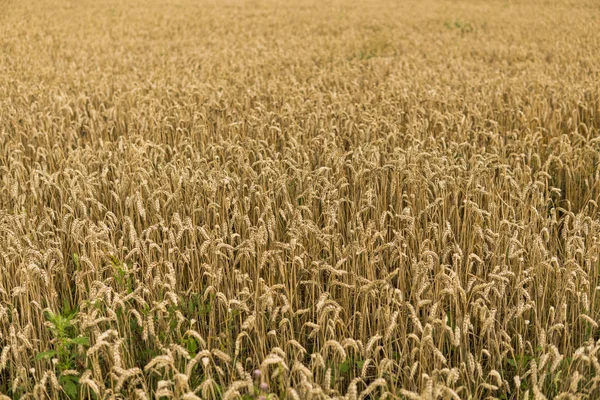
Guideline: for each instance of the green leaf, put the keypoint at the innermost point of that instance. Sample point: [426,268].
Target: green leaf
[44,355]
[81,340]
[345,367]
[192,347]
[69,385]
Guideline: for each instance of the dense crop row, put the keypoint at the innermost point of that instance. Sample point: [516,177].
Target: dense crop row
[299,199]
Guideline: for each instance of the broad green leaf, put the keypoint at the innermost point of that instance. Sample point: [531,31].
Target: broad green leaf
[345,367]
[82,340]
[44,355]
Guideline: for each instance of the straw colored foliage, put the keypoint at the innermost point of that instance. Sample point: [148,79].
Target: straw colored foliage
[299,199]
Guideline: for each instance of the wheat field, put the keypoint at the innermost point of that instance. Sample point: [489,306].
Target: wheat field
[265,199]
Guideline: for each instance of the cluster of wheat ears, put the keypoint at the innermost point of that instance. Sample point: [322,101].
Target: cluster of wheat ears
[304,200]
